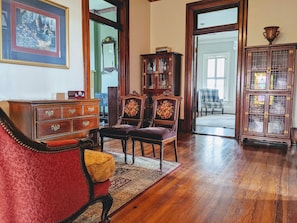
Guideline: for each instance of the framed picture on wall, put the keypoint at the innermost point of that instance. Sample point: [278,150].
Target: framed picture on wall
[34,33]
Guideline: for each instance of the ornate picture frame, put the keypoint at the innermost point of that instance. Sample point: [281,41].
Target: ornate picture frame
[34,33]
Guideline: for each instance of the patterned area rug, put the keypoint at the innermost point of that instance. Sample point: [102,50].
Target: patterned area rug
[128,182]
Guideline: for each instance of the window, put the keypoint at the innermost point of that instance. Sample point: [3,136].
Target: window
[216,73]
[217,18]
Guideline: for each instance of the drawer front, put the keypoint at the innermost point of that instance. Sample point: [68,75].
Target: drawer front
[72,111]
[52,128]
[91,109]
[48,113]
[85,123]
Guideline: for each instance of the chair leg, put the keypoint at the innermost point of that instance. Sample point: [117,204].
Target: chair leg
[161,157]
[153,147]
[142,148]
[101,143]
[107,202]
[175,150]
[133,151]
[124,147]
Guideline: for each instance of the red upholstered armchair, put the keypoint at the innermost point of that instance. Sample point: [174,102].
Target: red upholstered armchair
[39,185]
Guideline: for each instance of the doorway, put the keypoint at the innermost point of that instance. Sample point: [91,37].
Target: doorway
[105,28]
[217,66]
[202,21]
[105,20]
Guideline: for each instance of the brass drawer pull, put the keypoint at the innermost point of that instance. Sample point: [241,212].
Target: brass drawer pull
[86,123]
[55,127]
[91,109]
[72,111]
[49,113]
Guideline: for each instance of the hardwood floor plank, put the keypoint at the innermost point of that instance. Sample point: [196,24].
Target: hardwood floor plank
[219,181]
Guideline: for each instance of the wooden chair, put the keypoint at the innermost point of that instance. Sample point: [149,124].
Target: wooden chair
[131,118]
[164,126]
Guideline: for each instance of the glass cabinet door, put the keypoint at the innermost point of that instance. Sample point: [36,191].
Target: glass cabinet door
[257,76]
[149,70]
[267,114]
[281,69]
[157,71]
[278,114]
[255,113]
[164,64]
[270,70]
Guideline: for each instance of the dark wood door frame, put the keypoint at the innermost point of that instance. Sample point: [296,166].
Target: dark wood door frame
[190,86]
[123,27]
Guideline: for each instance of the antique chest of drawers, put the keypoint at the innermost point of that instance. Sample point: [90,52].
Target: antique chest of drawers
[45,120]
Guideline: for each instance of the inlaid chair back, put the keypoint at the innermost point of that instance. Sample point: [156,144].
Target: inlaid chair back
[132,110]
[166,111]
[163,127]
[131,118]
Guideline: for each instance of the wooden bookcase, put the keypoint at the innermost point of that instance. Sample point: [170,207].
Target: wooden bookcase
[268,93]
[160,72]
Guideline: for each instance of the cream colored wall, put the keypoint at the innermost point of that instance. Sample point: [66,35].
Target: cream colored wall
[267,13]
[139,39]
[168,19]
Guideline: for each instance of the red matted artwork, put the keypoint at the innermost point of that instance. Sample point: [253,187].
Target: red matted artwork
[34,33]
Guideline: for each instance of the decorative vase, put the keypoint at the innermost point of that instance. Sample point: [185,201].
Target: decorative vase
[271,32]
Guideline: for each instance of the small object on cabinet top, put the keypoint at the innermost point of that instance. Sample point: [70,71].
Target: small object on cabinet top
[163,49]
[76,94]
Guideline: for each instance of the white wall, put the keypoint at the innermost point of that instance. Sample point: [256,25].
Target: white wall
[33,82]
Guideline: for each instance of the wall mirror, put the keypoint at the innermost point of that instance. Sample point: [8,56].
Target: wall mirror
[108,54]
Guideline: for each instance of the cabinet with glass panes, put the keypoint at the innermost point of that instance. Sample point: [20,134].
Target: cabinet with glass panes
[160,72]
[268,93]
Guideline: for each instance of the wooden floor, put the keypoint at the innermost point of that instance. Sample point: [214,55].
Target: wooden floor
[215,131]
[220,181]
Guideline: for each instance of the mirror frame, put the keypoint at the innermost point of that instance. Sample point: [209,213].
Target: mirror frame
[108,54]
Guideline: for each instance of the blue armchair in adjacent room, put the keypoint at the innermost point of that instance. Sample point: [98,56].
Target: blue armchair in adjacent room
[209,99]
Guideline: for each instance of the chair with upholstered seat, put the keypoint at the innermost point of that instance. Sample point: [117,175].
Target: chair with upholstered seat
[209,99]
[163,127]
[131,118]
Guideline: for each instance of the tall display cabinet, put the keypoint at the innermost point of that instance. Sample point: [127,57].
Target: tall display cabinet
[160,72]
[268,93]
